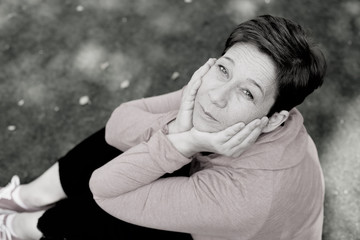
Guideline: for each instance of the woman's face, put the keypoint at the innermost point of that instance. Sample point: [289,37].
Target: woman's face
[239,87]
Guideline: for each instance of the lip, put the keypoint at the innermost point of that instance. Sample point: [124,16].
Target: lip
[208,114]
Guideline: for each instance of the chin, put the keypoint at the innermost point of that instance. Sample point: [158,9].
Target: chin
[203,126]
[199,126]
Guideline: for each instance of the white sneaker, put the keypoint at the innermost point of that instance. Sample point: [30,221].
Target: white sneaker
[5,232]
[7,202]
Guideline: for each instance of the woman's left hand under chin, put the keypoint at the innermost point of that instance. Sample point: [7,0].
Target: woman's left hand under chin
[232,141]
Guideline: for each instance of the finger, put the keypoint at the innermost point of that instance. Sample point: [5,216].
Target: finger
[247,130]
[231,131]
[250,133]
[257,123]
[240,147]
[253,136]
[236,148]
[196,80]
[195,88]
[203,69]
[197,76]
[189,97]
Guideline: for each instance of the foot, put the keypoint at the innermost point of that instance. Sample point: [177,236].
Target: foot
[9,202]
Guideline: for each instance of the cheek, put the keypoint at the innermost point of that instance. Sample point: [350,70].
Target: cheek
[245,112]
[206,85]
[235,115]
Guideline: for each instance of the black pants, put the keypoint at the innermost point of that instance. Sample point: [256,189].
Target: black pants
[78,216]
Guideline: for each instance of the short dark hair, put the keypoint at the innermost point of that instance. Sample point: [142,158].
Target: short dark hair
[300,66]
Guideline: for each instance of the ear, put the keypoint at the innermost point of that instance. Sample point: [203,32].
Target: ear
[275,121]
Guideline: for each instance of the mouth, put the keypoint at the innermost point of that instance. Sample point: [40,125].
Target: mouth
[208,114]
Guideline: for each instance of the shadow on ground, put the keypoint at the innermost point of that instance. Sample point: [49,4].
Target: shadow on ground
[53,53]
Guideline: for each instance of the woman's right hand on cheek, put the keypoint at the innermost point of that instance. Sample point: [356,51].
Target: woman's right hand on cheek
[232,141]
[183,121]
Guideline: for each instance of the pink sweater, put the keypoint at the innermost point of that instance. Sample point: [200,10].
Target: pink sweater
[274,190]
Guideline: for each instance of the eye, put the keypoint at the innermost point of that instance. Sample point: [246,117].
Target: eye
[223,70]
[248,94]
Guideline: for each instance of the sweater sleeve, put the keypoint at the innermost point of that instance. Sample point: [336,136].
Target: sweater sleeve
[213,202]
[136,121]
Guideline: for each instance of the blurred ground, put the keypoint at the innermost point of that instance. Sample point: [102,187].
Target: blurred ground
[52,53]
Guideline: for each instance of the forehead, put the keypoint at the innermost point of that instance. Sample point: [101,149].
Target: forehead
[250,62]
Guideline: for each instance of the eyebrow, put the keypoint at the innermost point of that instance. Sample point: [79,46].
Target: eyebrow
[229,59]
[256,84]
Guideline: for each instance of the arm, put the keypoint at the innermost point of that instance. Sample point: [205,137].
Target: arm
[135,121]
[210,202]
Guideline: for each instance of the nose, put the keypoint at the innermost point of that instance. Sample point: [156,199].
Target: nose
[218,96]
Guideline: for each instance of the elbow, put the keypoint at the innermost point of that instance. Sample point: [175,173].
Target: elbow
[113,127]
[95,189]
[109,136]
[96,186]
[102,187]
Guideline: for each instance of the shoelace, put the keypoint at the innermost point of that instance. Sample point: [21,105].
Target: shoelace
[5,192]
[5,233]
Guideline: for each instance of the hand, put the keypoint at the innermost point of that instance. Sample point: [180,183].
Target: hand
[183,121]
[232,141]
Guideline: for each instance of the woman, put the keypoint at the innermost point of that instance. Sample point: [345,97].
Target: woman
[227,157]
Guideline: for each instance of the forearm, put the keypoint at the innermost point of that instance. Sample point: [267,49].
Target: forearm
[136,121]
[129,126]
[207,202]
[136,167]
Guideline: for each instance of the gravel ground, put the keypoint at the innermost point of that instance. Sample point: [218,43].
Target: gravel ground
[65,65]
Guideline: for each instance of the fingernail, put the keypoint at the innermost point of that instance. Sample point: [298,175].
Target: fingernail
[257,122]
[212,60]
[264,120]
